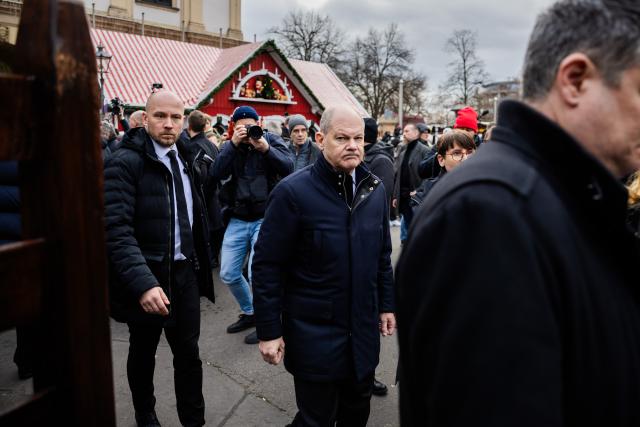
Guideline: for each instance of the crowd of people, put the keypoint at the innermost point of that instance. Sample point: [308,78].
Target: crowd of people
[516,290]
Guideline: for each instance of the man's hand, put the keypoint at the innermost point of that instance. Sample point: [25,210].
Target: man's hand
[394,203]
[154,301]
[387,324]
[272,351]
[239,134]
[260,144]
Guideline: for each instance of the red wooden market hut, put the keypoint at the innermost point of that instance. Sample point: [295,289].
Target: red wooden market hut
[216,81]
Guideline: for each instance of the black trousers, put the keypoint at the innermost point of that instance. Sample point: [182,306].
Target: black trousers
[182,333]
[343,403]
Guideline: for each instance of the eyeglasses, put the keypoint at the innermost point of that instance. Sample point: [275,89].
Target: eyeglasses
[458,155]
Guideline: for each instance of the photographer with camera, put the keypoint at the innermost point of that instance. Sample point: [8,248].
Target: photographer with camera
[252,164]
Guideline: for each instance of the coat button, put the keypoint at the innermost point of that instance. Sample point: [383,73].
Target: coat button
[375,182]
[362,197]
[370,188]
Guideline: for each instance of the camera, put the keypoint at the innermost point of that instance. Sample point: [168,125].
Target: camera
[254,131]
[115,106]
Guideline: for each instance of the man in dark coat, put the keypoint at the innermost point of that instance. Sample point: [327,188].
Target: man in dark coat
[378,156]
[527,313]
[252,167]
[201,153]
[157,244]
[304,150]
[323,278]
[407,179]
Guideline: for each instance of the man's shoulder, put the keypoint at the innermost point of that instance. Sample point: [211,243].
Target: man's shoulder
[379,158]
[275,139]
[298,180]
[124,156]
[494,165]
[421,148]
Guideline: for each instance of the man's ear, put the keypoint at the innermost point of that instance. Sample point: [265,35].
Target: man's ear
[144,118]
[440,160]
[573,75]
[320,140]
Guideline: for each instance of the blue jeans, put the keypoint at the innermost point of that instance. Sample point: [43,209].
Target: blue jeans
[239,238]
[404,231]
[406,212]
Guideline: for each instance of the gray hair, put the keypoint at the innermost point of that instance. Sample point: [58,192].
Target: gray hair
[607,31]
[107,130]
[274,127]
[326,119]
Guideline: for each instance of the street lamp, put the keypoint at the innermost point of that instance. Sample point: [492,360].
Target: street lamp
[104,58]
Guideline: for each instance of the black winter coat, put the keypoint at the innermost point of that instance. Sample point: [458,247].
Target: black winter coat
[322,273]
[423,191]
[201,153]
[527,313]
[429,167]
[252,175]
[419,153]
[379,159]
[140,227]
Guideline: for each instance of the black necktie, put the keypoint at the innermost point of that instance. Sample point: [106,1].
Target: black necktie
[186,238]
[348,188]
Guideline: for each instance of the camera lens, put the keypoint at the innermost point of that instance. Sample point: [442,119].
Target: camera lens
[254,132]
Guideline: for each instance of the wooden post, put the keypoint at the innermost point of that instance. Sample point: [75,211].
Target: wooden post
[62,208]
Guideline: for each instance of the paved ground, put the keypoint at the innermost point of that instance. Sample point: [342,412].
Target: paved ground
[240,389]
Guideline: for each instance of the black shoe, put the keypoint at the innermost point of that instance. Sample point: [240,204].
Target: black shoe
[379,389]
[147,419]
[252,338]
[245,321]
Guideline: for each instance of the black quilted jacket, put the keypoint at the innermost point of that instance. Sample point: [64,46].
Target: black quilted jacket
[140,227]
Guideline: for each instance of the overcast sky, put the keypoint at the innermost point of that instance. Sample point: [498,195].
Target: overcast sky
[503,26]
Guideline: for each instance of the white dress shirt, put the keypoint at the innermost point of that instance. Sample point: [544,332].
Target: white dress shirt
[161,152]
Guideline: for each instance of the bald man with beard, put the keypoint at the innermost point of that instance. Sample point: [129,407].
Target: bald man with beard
[157,249]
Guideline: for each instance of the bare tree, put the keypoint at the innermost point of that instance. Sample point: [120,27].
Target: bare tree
[310,36]
[373,68]
[466,71]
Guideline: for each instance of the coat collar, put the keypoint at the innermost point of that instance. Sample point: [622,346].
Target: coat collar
[138,139]
[583,180]
[366,182]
